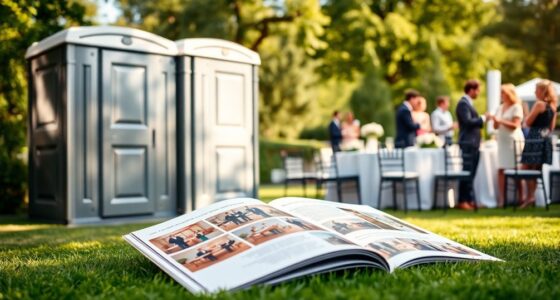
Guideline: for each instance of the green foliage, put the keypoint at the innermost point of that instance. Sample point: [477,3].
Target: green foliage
[430,45]
[371,102]
[246,22]
[21,24]
[13,177]
[41,261]
[531,31]
[284,33]
[330,95]
[285,100]
[320,133]
[433,81]
[270,153]
[408,40]
[180,19]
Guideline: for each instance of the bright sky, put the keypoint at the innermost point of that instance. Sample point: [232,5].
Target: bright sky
[107,11]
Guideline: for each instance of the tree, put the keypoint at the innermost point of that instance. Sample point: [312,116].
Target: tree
[371,101]
[532,30]
[285,80]
[433,82]
[246,22]
[402,37]
[284,32]
[21,24]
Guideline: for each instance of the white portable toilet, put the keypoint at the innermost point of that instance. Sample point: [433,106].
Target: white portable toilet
[218,121]
[102,124]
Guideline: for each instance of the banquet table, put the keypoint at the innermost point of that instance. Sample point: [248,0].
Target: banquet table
[426,162]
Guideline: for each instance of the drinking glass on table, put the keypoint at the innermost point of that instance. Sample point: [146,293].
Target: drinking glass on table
[390,142]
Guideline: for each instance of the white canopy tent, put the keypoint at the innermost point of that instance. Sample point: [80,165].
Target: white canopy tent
[526,90]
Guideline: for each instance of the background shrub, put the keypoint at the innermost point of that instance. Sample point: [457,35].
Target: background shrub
[270,153]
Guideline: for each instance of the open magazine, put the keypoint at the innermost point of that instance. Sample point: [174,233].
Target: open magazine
[237,243]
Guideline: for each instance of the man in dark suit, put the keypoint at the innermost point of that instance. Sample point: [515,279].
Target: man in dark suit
[470,124]
[179,241]
[406,127]
[258,211]
[335,133]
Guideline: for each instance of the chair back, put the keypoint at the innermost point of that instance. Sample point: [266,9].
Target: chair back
[390,159]
[531,149]
[293,164]
[556,149]
[326,163]
[554,173]
[460,156]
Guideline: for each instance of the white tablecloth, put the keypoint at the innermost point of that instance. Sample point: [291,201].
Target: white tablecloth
[486,180]
[425,162]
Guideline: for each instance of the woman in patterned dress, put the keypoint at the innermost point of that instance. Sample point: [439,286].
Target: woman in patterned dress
[541,121]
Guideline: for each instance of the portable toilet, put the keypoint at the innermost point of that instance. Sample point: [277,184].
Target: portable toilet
[102,119]
[218,121]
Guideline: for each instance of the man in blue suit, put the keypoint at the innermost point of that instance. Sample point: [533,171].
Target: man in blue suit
[335,133]
[470,124]
[406,127]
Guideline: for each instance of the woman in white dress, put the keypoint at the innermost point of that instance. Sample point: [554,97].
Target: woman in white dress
[507,121]
[351,133]
[420,116]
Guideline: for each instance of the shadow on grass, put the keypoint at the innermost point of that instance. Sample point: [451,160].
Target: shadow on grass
[20,219]
[36,235]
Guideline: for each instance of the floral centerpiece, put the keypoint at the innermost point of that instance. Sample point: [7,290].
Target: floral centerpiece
[355,145]
[372,131]
[429,140]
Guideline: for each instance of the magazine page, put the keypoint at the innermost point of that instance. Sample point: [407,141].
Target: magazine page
[400,243]
[235,243]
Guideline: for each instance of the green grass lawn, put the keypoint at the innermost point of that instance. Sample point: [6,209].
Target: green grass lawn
[43,261]
[270,192]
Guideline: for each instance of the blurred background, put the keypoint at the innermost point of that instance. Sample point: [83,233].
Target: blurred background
[317,56]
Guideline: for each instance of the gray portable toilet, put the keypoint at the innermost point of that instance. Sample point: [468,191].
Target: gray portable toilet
[218,121]
[102,123]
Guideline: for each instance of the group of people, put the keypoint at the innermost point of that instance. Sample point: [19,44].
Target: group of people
[412,120]
[508,120]
[240,217]
[300,224]
[184,244]
[209,253]
[391,247]
[343,133]
[237,217]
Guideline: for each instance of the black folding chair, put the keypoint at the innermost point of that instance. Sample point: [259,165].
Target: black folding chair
[517,174]
[329,173]
[392,169]
[458,167]
[554,179]
[293,165]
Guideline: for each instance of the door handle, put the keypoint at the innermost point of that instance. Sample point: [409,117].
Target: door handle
[153,138]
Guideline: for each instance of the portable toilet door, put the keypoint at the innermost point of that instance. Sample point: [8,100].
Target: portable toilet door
[102,125]
[218,117]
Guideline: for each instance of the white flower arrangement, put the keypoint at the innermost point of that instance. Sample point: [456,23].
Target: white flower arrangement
[372,130]
[354,145]
[429,140]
